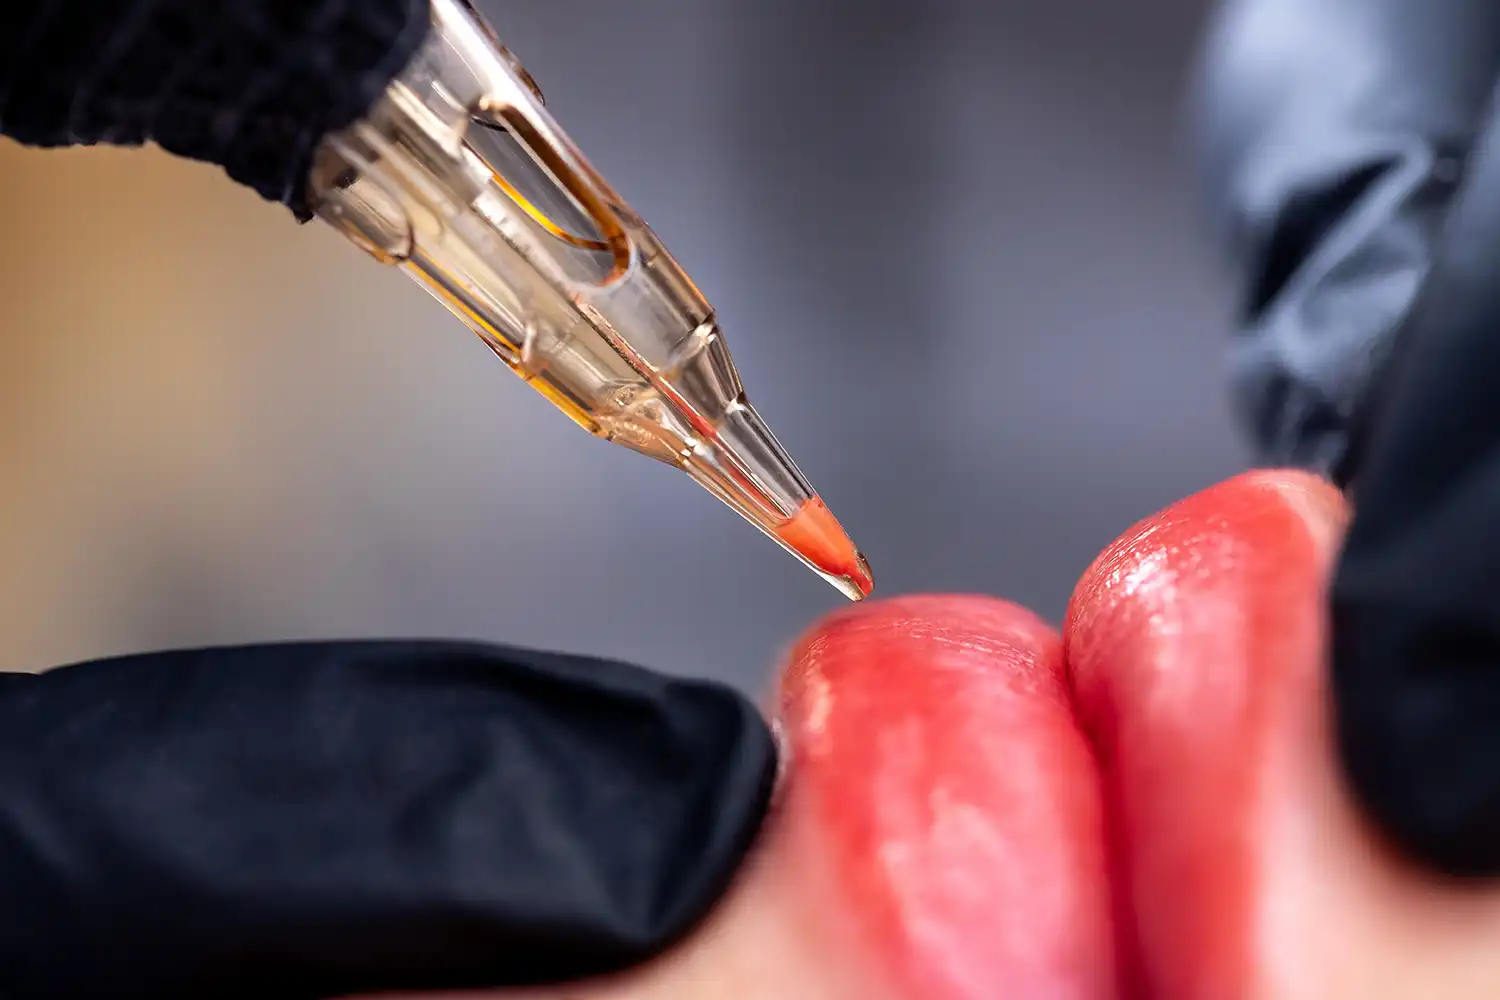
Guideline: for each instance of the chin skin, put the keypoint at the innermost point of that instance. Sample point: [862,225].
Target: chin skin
[1144,809]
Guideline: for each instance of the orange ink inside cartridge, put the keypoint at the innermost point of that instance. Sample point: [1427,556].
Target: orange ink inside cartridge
[817,535]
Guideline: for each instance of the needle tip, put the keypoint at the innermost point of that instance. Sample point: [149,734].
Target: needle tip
[818,537]
[862,578]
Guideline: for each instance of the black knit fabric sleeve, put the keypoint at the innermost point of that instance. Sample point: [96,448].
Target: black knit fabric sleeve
[249,85]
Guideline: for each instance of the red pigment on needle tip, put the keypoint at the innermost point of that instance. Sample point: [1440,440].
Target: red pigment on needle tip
[817,534]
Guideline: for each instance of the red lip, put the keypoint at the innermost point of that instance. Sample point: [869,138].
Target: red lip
[934,739]
[1001,826]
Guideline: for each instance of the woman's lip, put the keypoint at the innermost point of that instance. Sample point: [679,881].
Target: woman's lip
[951,763]
[1193,648]
[935,751]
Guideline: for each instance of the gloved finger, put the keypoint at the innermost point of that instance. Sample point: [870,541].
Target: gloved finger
[1416,628]
[249,85]
[1331,135]
[940,832]
[1196,645]
[314,820]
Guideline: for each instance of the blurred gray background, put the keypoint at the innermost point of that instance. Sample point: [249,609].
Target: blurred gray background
[953,244]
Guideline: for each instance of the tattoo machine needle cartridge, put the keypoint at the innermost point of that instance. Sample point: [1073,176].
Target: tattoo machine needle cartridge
[460,176]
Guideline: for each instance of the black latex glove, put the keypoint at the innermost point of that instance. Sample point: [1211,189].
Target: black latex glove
[249,85]
[309,821]
[1352,158]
